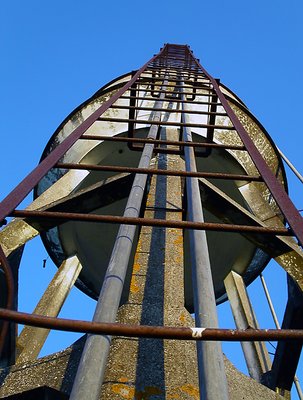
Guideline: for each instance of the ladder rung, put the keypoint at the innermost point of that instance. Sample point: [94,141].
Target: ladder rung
[166,123]
[195,85]
[161,142]
[196,70]
[169,110]
[191,74]
[172,92]
[207,226]
[173,100]
[161,77]
[155,171]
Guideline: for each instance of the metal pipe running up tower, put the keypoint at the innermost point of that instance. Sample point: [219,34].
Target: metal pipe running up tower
[163,195]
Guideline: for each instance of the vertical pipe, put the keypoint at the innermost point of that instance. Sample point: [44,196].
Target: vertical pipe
[270,304]
[274,315]
[212,378]
[93,362]
[291,166]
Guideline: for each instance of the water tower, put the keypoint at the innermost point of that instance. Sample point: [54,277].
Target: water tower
[160,197]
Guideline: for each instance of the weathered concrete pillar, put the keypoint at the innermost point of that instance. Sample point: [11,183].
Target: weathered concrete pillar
[32,339]
[255,353]
[18,232]
[8,354]
[291,261]
[146,368]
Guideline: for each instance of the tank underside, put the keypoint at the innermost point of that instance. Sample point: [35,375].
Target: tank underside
[93,242]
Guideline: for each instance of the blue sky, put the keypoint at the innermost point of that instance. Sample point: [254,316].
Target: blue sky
[55,54]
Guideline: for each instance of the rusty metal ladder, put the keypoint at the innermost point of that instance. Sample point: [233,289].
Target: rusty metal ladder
[173,75]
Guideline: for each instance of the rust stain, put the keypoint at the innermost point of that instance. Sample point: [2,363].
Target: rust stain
[123,379]
[178,259]
[173,396]
[178,240]
[134,287]
[136,266]
[130,393]
[125,391]
[182,318]
[191,390]
[138,248]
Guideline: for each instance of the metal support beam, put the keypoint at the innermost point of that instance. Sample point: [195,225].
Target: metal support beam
[98,195]
[18,232]
[291,261]
[228,210]
[255,353]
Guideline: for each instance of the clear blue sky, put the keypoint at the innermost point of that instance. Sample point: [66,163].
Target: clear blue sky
[55,54]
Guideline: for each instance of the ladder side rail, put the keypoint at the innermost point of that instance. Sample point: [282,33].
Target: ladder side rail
[18,194]
[286,206]
[33,178]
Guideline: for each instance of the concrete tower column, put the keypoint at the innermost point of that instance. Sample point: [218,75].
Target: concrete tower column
[145,368]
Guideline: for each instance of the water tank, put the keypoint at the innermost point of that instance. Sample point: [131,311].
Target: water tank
[93,242]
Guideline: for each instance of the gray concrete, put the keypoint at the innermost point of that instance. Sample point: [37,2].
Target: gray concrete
[156,369]
[58,370]
[256,354]
[32,339]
